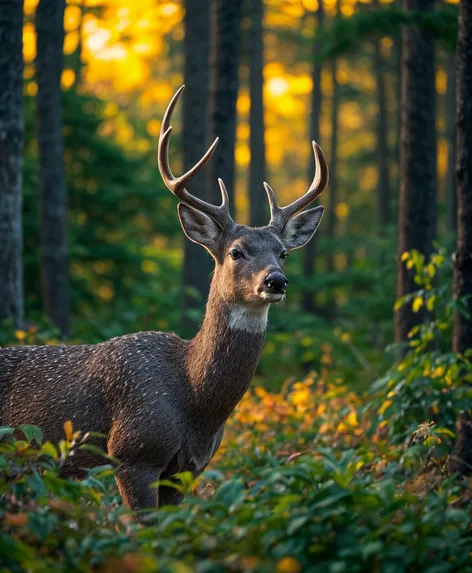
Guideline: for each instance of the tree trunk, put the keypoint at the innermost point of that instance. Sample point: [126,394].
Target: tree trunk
[11,160]
[309,255]
[461,460]
[331,223]
[451,198]
[52,185]
[398,54]
[383,158]
[257,168]
[417,204]
[197,262]
[224,57]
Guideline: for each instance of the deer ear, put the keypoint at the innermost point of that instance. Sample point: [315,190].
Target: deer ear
[199,228]
[301,228]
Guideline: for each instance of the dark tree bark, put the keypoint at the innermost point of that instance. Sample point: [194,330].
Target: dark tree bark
[398,54]
[461,459]
[224,58]
[451,198]
[331,214]
[257,168]
[383,157]
[309,255]
[197,262]
[417,206]
[11,160]
[52,185]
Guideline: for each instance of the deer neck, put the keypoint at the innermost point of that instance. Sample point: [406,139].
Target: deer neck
[222,358]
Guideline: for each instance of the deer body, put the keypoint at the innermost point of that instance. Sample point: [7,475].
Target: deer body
[162,401]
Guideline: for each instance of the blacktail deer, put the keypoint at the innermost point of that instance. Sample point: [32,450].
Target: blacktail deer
[162,401]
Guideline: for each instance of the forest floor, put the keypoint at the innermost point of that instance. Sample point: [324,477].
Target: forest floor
[312,478]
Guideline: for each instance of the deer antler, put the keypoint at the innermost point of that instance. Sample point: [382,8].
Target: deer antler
[220,214]
[280,215]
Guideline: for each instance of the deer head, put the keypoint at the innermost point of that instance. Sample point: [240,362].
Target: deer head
[249,261]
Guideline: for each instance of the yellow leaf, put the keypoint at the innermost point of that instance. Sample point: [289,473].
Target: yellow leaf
[68,430]
[351,419]
[345,337]
[431,269]
[288,565]
[438,372]
[405,256]
[384,406]
[20,334]
[342,210]
[430,302]
[417,304]
[437,260]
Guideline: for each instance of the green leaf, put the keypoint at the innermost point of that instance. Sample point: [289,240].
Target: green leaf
[445,432]
[230,491]
[6,431]
[98,451]
[32,433]
[371,548]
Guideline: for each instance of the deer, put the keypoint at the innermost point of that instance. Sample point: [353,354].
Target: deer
[162,402]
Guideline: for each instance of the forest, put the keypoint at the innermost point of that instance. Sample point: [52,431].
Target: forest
[352,448]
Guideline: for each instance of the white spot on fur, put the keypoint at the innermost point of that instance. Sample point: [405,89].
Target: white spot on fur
[249,319]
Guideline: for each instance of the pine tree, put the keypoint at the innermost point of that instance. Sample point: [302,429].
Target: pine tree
[224,60]
[11,158]
[309,255]
[417,203]
[461,460]
[257,167]
[52,184]
[196,45]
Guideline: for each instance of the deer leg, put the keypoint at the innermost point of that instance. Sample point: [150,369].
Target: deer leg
[133,482]
[169,496]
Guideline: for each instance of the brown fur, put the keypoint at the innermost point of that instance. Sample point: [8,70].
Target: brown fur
[161,400]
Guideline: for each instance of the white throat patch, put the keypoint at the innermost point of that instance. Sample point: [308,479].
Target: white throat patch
[248,319]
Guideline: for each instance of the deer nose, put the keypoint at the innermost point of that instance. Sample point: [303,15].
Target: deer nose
[276,282]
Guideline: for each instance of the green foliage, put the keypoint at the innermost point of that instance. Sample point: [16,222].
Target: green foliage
[430,382]
[327,509]
[346,34]
[124,255]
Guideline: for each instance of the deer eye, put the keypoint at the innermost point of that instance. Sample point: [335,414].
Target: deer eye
[235,254]
[284,255]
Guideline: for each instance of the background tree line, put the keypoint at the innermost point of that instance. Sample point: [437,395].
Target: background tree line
[382,87]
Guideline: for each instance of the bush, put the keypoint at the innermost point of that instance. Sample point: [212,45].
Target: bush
[299,485]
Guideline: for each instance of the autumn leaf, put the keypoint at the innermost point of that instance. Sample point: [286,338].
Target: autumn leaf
[68,430]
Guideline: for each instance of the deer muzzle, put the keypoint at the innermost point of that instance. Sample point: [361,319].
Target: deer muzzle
[275,283]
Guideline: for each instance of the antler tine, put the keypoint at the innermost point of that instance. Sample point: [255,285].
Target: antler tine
[280,215]
[274,208]
[220,214]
